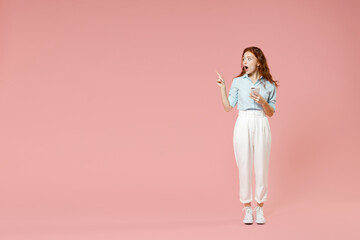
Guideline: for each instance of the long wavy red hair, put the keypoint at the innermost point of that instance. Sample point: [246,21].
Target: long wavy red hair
[263,68]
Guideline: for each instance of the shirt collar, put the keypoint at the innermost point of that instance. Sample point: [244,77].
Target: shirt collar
[247,76]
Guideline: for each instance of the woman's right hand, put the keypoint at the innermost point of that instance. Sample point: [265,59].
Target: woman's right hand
[220,82]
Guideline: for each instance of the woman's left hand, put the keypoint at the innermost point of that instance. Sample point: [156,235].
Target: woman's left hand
[257,98]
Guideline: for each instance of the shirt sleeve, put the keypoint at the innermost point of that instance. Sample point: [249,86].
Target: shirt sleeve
[233,94]
[272,98]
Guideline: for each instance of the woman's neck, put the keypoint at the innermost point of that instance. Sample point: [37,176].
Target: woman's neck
[255,76]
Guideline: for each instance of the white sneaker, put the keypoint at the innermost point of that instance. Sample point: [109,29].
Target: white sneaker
[260,219]
[248,218]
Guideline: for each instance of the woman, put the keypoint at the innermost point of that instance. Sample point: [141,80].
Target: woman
[252,135]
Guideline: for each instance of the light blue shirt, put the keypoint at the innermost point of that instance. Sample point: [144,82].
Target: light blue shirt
[240,93]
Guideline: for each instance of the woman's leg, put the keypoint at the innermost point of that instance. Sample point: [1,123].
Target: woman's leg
[262,146]
[243,149]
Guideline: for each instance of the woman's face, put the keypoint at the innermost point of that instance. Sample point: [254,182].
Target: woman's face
[250,63]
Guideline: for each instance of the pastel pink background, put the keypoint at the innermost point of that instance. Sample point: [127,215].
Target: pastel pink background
[112,124]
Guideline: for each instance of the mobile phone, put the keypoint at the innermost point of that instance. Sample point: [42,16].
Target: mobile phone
[255,89]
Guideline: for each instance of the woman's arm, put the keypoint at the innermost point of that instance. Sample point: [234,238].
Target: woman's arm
[225,100]
[260,100]
[268,109]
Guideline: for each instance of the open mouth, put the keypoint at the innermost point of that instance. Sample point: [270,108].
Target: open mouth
[246,67]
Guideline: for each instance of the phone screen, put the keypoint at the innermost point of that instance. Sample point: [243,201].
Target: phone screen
[257,90]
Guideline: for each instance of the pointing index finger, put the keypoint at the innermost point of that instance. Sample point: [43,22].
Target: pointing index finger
[219,75]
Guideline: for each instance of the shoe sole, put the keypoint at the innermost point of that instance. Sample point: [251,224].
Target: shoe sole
[248,223]
[261,223]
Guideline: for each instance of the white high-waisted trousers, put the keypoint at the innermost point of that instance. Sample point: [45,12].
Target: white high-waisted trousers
[252,144]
